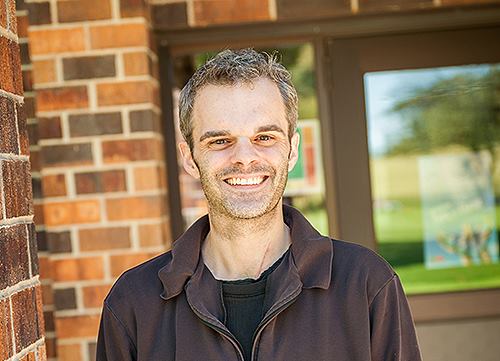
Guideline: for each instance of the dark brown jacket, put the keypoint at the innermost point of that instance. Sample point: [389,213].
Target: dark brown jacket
[327,300]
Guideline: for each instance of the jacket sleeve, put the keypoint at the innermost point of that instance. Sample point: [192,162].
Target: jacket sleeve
[113,341]
[393,336]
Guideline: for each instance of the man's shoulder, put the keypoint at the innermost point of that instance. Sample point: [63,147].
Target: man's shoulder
[356,263]
[139,281]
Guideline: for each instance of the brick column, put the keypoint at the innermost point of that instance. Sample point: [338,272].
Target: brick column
[101,155]
[21,318]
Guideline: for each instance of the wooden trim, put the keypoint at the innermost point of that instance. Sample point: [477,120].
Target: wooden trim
[455,305]
[168,129]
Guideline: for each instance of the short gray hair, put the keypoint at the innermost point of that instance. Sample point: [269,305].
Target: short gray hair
[230,67]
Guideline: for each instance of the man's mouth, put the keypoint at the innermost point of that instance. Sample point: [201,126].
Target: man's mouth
[247,181]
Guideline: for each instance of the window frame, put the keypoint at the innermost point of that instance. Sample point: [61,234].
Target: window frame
[345,48]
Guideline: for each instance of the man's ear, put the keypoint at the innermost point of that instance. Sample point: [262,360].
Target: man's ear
[294,151]
[187,160]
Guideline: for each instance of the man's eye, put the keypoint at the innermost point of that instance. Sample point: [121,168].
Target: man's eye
[219,142]
[264,138]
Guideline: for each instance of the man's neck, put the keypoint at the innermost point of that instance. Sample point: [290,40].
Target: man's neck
[245,248]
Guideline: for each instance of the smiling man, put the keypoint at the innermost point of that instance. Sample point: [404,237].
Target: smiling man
[253,280]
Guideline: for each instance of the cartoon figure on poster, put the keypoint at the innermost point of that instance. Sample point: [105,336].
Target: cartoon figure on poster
[458,205]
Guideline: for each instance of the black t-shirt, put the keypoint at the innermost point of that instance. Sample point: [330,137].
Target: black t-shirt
[244,302]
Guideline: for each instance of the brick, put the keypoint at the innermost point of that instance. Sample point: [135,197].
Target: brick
[118,36]
[67,154]
[54,185]
[8,131]
[33,249]
[65,299]
[98,239]
[87,326]
[135,208]
[39,309]
[92,351]
[130,150]
[47,297]
[52,41]
[48,317]
[93,296]
[100,182]
[71,352]
[15,61]
[44,71]
[31,356]
[61,213]
[151,235]
[29,107]
[208,12]
[45,268]
[27,80]
[5,65]
[25,54]
[395,5]
[17,188]
[5,330]
[14,265]
[41,239]
[25,318]
[71,97]
[42,352]
[32,133]
[82,125]
[3,14]
[83,10]
[38,219]
[22,26]
[12,16]
[89,67]
[36,185]
[22,129]
[144,120]
[59,242]
[39,13]
[49,127]
[148,178]
[137,63]
[123,93]
[170,16]
[77,269]
[123,262]
[292,9]
[133,8]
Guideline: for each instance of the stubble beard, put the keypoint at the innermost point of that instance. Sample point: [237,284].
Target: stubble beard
[243,205]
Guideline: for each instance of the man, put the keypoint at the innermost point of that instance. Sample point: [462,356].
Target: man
[253,280]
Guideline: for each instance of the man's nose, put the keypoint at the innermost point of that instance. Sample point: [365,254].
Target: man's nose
[244,152]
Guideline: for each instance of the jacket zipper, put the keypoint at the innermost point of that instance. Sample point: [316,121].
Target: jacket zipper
[221,331]
[269,318]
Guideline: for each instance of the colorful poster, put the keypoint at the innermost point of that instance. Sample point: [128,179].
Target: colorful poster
[458,207]
[305,178]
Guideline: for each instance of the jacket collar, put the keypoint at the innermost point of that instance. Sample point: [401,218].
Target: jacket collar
[312,255]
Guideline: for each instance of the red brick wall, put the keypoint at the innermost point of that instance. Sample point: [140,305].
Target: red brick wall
[21,318]
[100,189]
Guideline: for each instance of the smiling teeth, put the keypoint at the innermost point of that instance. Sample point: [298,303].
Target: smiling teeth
[245,181]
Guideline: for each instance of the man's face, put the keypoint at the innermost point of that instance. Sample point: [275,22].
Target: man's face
[241,151]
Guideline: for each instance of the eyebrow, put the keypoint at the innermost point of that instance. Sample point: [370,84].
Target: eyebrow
[222,133]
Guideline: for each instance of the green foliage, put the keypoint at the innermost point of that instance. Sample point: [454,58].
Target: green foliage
[462,110]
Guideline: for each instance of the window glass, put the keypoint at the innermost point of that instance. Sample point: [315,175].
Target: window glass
[305,188]
[434,144]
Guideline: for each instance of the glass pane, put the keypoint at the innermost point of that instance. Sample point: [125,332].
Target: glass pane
[434,143]
[305,188]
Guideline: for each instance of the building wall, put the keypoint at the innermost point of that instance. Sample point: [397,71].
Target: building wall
[21,318]
[91,79]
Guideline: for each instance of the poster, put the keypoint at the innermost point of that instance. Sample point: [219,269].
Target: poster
[458,207]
